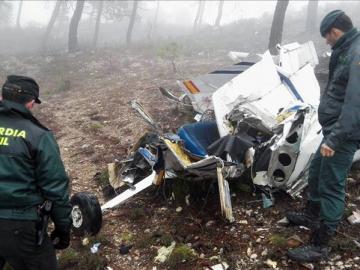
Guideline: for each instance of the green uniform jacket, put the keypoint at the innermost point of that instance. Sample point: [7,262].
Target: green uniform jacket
[31,169]
[339,109]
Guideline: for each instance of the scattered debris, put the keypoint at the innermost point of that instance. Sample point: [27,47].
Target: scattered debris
[220,266]
[125,249]
[95,248]
[354,218]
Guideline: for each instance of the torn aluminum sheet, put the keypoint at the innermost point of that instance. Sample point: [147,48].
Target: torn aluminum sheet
[292,57]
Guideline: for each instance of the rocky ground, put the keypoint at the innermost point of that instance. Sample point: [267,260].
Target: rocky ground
[86,103]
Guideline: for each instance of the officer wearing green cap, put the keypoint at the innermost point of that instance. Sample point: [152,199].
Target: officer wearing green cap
[339,116]
[31,173]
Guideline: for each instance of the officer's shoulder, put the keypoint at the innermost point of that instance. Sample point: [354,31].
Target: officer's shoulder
[37,128]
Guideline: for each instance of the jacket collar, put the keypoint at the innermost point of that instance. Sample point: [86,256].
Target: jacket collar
[346,39]
[7,105]
[10,106]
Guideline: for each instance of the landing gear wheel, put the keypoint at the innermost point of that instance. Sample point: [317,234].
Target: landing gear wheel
[86,214]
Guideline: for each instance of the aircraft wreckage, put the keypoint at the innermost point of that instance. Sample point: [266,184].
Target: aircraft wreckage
[259,116]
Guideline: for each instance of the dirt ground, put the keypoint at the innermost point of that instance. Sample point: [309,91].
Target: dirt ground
[86,103]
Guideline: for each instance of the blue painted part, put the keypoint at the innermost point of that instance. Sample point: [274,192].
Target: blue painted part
[151,159]
[286,80]
[198,136]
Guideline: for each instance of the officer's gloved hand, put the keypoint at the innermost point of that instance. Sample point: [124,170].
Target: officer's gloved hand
[61,237]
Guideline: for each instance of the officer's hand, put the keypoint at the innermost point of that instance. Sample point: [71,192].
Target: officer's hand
[326,151]
[61,237]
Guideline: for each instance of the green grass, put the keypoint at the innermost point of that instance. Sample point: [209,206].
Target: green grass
[181,253]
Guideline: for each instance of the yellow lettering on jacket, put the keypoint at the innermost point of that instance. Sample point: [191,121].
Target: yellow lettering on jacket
[9,132]
[4,141]
[22,134]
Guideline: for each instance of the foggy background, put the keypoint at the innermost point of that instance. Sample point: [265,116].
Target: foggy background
[244,25]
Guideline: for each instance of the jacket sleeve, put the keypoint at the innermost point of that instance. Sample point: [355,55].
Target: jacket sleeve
[349,120]
[52,179]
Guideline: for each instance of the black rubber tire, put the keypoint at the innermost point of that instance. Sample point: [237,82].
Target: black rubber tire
[91,214]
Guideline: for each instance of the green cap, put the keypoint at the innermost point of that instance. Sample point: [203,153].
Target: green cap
[328,21]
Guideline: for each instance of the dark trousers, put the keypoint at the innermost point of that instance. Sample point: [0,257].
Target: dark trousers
[18,247]
[327,178]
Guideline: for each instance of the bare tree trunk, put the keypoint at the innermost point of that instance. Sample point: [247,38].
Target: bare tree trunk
[199,14]
[51,23]
[311,18]
[19,14]
[153,25]
[220,11]
[156,14]
[131,23]
[97,25]
[73,44]
[202,13]
[277,25]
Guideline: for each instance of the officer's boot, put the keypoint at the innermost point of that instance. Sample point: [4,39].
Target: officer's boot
[308,218]
[318,248]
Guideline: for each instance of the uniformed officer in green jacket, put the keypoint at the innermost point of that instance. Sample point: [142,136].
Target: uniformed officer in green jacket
[339,116]
[31,172]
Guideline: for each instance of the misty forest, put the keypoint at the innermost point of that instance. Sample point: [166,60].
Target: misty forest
[92,59]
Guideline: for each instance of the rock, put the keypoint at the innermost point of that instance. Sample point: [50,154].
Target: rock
[209,223]
[309,266]
[202,256]
[336,258]
[85,241]
[339,263]
[179,209]
[283,221]
[187,201]
[271,263]
[249,212]
[248,252]
[351,180]
[253,256]
[124,249]
[85,146]
[243,222]
[258,240]
[265,252]
[213,258]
